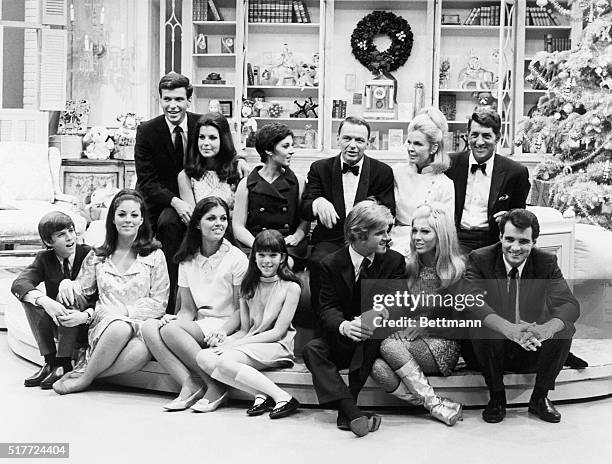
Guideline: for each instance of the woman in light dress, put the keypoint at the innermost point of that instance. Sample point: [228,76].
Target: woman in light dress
[421,179]
[130,275]
[210,272]
[211,166]
[269,296]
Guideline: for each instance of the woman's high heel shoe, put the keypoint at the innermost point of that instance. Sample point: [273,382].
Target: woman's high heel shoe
[179,404]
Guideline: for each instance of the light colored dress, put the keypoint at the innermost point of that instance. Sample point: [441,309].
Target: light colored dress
[412,189]
[143,289]
[211,282]
[264,308]
[209,185]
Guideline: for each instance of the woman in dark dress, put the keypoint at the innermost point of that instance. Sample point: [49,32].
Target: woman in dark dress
[269,198]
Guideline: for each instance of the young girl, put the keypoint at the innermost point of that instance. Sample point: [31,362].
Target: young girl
[269,295]
[211,167]
[210,272]
[129,273]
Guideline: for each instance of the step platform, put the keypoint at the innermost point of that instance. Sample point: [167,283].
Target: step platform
[467,387]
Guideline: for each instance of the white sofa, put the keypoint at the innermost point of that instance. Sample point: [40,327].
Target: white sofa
[29,188]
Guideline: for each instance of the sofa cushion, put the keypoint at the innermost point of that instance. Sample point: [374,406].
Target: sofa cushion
[25,173]
[22,224]
[592,252]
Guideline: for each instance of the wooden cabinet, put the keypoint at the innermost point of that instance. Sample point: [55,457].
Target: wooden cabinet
[81,177]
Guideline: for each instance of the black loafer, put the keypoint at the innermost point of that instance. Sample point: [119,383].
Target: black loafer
[259,409]
[494,412]
[342,422]
[544,409]
[575,362]
[285,409]
[56,374]
[35,379]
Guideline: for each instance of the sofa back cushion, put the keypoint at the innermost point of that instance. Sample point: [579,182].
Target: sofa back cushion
[24,172]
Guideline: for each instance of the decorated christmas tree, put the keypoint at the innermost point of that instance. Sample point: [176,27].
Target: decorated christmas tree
[573,120]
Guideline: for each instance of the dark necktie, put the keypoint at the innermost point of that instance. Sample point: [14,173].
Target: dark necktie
[179,151]
[513,294]
[66,268]
[347,167]
[475,167]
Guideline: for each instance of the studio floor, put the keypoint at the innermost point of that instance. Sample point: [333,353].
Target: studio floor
[119,425]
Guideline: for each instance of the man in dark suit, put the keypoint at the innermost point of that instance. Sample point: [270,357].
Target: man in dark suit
[161,144]
[346,341]
[334,185]
[528,318]
[486,184]
[47,317]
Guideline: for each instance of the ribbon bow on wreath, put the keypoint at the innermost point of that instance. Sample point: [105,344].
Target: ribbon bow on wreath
[362,43]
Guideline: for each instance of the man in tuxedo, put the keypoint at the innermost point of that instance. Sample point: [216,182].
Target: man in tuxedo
[48,318]
[161,144]
[346,341]
[334,185]
[486,184]
[528,318]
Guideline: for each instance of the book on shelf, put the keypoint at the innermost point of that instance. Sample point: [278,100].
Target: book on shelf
[553,17]
[200,10]
[472,17]
[214,11]
[297,17]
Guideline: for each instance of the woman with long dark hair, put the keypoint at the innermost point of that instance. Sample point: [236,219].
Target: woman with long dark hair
[129,273]
[211,166]
[210,273]
[269,295]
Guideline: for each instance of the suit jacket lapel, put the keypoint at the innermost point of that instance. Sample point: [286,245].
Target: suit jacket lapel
[338,189]
[166,137]
[364,181]
[348,271]
[497,180]
[501,280]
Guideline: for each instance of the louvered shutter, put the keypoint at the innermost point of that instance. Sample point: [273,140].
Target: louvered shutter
[54,12]
[53,69]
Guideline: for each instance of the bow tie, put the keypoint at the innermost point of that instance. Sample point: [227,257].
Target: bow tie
[346,168]
[475,167]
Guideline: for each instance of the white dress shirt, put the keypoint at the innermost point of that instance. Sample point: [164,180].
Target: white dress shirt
[475,210]
[33,295]
[350,182]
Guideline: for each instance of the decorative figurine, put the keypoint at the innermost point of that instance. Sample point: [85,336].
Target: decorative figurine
[474,76]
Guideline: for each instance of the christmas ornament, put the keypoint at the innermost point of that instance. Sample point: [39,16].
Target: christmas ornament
[568,108]
[595,121]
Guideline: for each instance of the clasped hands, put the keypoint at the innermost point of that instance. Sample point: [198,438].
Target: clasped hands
[529,335]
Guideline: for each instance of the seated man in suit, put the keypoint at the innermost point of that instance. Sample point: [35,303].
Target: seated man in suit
[486,184]
[528,318]
[161,144]
[334,185]
[47,317]
[345,342]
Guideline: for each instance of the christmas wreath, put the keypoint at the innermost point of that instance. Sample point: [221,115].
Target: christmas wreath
[382,22]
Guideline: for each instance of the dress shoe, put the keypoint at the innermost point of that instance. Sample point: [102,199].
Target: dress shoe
[284,408]
[204,405]
[494,412]
[39,376]
[260,408]
[342,422]
[575,362]
[56,374]
[179,404]
[544,409]
[363,425]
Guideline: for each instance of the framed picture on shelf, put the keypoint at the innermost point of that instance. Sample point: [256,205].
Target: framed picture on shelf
[374,142]
[200,44]
[451,19]
[225,107]
[396,139]
[448,106]
[227,45]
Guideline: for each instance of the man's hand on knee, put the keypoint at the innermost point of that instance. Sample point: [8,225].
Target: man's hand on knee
[182,208]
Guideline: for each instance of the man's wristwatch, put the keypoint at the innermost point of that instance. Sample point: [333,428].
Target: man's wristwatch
[89,313]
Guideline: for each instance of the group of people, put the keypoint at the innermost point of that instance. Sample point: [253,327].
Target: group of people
[212,298]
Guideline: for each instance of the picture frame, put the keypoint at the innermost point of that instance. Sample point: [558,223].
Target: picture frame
[451,19]
[396,139]
[226,108]
[200,44]
[228,45]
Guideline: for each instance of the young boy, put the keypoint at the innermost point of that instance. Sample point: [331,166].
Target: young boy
[47,317]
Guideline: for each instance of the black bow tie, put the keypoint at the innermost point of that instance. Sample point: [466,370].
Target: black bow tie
[475,167]
[346,168]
